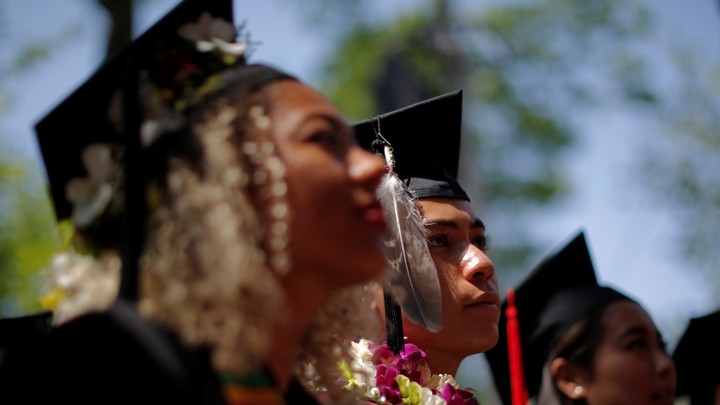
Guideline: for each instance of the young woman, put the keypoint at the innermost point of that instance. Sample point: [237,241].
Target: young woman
[257,217]
[425,142]
[581,343]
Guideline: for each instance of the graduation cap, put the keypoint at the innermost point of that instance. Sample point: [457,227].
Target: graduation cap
[698,348]
[422,145]
[425,138]
[92,114]
[560,291]
[83,117]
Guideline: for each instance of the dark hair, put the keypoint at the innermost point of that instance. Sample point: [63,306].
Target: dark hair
[578,345]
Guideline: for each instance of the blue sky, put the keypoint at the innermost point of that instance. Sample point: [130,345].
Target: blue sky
[629,236]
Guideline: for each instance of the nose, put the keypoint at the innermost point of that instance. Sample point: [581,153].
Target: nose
[664,364]
[476,266]
[365,168]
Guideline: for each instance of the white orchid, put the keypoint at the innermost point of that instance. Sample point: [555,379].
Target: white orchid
[71,274]
[91,195]
[210,33]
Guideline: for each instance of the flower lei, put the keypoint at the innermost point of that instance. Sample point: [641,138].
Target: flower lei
[378,375]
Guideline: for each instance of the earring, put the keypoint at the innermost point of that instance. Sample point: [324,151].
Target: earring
[578,390]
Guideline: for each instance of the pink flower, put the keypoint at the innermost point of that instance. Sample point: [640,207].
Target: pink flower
[385,380]
[413,364]
[382,355]
[456,396]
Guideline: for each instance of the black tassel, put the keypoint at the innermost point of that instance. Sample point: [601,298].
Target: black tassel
[393,323]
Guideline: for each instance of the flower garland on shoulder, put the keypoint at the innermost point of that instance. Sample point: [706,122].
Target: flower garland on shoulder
[378,375]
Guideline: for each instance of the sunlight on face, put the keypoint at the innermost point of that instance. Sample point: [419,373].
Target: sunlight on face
[471,305]
[336,221]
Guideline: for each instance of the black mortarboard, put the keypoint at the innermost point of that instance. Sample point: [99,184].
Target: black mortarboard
[425,138]
[174,67]
[561,290]
[696,357]
[83,118]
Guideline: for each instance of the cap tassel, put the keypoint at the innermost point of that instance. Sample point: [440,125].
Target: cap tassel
[395,337]
[518,392]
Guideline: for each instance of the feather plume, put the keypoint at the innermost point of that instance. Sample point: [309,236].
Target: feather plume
[411,277]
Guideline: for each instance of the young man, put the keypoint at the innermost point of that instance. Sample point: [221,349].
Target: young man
[425,141]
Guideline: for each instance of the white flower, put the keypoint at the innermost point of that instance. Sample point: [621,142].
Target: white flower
[86,283]
[228,48]
[439,381]
[363,372]
[91,195]
[159,119]
[427,397]
[210,33]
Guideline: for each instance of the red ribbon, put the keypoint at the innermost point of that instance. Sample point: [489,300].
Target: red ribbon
[518,392]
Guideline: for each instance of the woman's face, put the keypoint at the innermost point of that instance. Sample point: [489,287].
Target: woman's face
[471,306]
[631,363]
[337,224]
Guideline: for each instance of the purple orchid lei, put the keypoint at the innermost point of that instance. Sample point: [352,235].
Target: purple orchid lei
[378,375]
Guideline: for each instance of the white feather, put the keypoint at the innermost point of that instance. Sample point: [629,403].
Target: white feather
[411,271]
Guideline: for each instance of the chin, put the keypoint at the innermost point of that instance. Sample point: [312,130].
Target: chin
[488,341]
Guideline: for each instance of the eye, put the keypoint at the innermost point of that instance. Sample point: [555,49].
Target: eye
[637,344]
[327,138]
[482,242]
[437,241]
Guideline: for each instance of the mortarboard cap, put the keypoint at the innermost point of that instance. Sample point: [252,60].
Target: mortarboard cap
[425,138]
[698,348]
[561,290]
[177,57]
[83,117]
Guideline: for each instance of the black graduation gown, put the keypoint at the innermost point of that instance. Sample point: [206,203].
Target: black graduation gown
[113,357]
[109,357]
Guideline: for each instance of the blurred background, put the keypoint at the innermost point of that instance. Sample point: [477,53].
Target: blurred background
[593,115]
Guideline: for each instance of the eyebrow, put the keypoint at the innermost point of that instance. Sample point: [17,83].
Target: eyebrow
[328,117]
[476,223]
[635,330]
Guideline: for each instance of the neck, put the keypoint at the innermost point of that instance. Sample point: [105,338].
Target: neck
[304,297]
[442,362]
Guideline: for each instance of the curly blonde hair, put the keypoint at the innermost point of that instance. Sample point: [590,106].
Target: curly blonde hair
[214,248]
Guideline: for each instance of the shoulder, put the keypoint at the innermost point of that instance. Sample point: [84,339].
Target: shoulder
[118,356]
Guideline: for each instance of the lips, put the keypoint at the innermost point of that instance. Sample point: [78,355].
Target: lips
[485,300]
[374,214]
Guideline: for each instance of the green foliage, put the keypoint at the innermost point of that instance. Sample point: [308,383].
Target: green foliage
[28,235]
[27,240]
[524,69]
[683,160]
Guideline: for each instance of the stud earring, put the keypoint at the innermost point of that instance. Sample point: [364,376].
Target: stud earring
[578,390]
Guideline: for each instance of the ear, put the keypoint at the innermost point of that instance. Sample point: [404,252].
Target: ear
[568,379]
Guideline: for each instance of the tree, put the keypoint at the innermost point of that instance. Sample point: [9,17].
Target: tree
[524,68]
[682,167]
[29,236]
